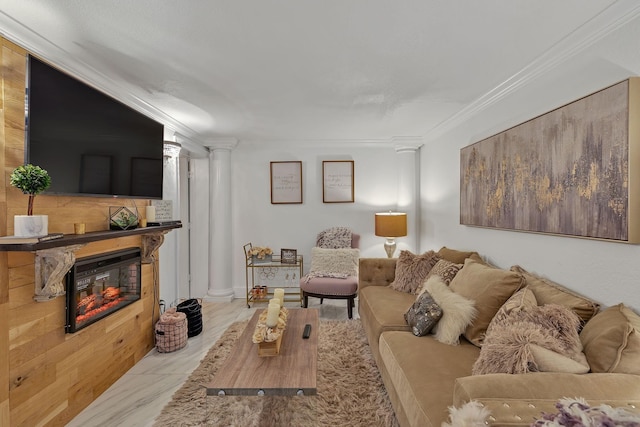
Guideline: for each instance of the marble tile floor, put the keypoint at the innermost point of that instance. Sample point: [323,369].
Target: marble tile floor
[139,396]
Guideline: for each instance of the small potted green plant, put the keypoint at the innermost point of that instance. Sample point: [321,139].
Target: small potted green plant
[31,180]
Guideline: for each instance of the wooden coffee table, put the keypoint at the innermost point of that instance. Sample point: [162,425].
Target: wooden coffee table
[291,372]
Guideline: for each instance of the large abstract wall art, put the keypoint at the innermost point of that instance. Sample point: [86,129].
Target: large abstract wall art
[573,171]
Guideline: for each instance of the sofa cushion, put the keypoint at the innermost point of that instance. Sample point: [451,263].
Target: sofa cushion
[489,287]
[457,311]
[412,269]
[422,371]
[529,395]
[330,285]
[612,341]
[455,256]
[548,292]
[423,315]
[382,309]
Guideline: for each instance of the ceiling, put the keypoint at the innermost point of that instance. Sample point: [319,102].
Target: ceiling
[278,70]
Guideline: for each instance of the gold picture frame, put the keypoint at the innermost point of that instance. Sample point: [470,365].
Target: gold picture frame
[567,172]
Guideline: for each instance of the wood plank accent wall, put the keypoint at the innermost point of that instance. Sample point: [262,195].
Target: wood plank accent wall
[46,376]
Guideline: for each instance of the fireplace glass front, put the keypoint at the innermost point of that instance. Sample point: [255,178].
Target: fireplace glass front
[100,285]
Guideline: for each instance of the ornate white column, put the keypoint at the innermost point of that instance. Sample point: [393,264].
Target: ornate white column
[169,268]
[407,148]
[220,261]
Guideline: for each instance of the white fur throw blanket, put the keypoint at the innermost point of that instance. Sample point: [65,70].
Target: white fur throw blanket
[334,238]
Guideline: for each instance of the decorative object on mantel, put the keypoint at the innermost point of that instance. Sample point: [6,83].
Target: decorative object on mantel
[31,180]
[122,218]
[269,329]
[391,225]
[260,254]
[568,172]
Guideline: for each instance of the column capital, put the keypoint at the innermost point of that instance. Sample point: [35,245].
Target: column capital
[171,149]
[222,144]
[404,144]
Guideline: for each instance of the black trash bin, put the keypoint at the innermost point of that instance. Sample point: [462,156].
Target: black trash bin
[193,310]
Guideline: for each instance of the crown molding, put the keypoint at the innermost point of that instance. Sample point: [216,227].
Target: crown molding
[606,22]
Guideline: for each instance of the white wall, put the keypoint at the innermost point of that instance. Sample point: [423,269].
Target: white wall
[605,271]
[295,226]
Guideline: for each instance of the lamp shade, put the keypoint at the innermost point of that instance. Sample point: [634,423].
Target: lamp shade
[391,224]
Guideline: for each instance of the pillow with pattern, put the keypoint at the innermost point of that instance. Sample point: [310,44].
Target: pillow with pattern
[423,315]
[443,268]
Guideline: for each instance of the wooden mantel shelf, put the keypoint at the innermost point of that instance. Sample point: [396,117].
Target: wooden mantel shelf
[81,239]
[54,258]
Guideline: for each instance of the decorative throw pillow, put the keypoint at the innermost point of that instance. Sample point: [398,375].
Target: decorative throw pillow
[521,300]
[411,270]
[507,347]
[457,311]
[339,263]
[334,238]
[612,341]
[550,361]
[489,287]
[423,315]
[548,292]
[443,268]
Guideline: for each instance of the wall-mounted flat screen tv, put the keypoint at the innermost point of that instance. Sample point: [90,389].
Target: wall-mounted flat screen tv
[90,143]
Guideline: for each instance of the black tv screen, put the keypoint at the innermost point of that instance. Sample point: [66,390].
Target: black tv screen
[91,144]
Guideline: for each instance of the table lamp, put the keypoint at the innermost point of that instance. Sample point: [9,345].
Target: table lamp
[391,225]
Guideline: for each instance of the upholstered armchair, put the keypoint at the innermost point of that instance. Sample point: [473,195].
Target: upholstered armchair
[333,274]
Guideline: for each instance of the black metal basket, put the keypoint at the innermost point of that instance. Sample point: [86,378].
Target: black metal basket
[192,308]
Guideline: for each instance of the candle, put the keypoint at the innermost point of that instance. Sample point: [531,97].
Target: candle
[279,293]
[273,313]
[151,213]
[275,301]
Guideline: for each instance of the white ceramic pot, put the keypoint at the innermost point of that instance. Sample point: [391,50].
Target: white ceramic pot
[30,225]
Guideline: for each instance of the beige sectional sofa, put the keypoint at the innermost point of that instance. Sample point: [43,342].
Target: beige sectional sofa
[424,377]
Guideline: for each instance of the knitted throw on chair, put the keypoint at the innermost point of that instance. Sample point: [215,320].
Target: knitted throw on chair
[334,238]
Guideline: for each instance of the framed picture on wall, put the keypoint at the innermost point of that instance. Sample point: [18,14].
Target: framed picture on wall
[337,181]
[286,182]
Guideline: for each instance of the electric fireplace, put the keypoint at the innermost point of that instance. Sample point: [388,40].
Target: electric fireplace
[100,285]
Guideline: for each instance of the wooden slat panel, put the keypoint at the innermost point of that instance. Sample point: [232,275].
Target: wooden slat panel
[55,389]
[4,265]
